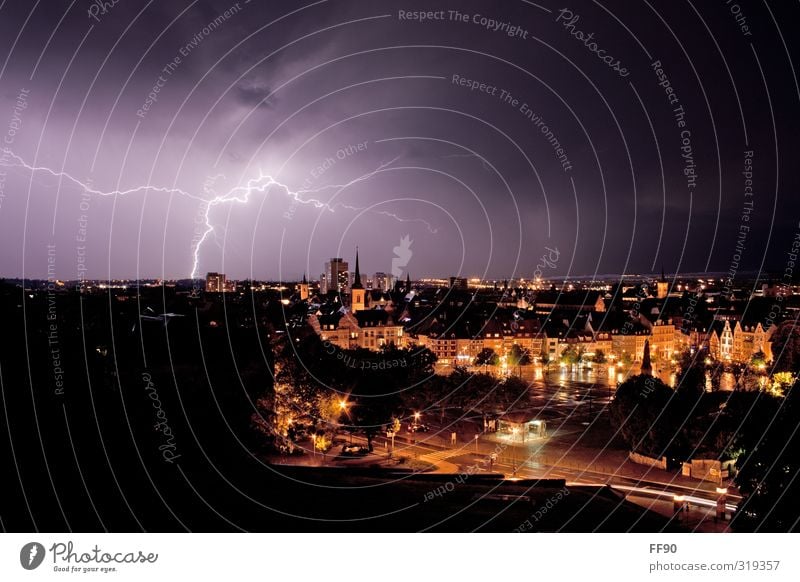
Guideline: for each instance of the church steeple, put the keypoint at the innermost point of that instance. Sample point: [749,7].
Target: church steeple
[304,288]
[358,296]
[357,276]
[662,286]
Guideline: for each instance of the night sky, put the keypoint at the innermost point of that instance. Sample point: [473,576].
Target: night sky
[489,134]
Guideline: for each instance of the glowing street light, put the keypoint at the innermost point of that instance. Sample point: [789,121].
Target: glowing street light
[678,503]
[514,431]
[343,404]
[722,502]
[416,417]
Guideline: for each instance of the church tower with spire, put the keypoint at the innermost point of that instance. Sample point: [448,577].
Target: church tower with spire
[304,288]
[358,295]
[662,286]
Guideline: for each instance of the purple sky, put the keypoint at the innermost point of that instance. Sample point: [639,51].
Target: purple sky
[351,109]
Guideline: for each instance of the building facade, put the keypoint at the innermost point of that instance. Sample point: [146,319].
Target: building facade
[218,283]
[336,275]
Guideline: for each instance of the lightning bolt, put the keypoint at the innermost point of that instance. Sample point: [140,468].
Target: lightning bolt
[32,555]
[19,162]
[238,194]
[401,219]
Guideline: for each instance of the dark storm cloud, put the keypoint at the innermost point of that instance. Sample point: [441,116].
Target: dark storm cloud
[486,135]
[255,93]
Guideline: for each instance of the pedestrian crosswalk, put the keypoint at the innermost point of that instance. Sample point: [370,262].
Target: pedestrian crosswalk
[444,455]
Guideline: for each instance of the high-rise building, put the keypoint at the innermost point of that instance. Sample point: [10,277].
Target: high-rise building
[336,275]
[216,283]
[381,282]
[459,283]
[323,284]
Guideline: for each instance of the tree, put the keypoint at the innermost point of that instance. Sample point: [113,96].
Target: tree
[599,357]
[758,362]
[372,410]
[691,376]
[298,395]
[715,370]
[513,392]
[486,394]
[382,384]
[486,357]
[769,465]
[780,383]
[640,412]
[737,371]
[786,347]
[431,394]
[519,356]
[329,409]
[647,367]
[471,391]
[752,379]
[310,379]
[733,421]
[569,356]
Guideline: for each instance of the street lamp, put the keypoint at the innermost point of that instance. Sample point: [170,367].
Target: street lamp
[514,432]
[722,502]
[343,404]
[416,417]
[678,503]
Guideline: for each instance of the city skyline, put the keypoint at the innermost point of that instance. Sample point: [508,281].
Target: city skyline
[315,154]
[342,266]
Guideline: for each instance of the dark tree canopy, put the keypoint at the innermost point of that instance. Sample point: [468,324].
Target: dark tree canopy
[640,412]
[486,357]
[786,347]
[519,356]
[691,377]
[769,465]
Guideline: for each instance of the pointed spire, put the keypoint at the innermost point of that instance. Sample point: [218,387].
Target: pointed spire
[357,276]
[408,282]
[305,281]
